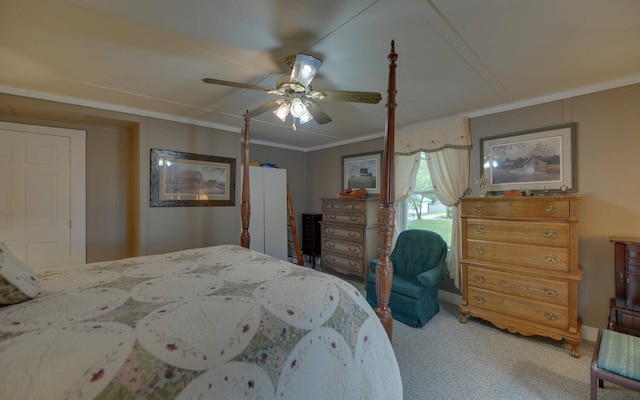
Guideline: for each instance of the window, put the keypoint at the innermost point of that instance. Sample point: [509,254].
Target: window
[422,210]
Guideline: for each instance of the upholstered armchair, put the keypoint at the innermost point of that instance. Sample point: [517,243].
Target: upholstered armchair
[418,260]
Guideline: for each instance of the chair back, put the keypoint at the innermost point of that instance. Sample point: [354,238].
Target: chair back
[418,250]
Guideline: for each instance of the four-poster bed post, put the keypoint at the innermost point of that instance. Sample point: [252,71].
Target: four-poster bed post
[386,213]
[245,208]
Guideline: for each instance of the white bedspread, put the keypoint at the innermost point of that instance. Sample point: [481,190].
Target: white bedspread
[221,322]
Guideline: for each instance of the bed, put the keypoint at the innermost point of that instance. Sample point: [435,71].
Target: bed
[221,322]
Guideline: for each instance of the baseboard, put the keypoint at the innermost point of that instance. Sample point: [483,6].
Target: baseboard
[588,332]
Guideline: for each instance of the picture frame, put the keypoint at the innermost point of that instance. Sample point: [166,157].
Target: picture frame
[539,160]
[181,179]
[362,171]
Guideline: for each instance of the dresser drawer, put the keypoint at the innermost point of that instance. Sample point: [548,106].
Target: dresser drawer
[543,313]
[339,232]
[340,262]
[529,208]
[545,257]
[356,219]
[343,206]
[542,233]
[633,258]
[347,248]
[545,290]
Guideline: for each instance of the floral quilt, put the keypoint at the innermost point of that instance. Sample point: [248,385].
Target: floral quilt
[220,322]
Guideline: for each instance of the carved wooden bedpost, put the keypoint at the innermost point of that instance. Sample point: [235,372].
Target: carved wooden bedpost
[386,213]
[245,207]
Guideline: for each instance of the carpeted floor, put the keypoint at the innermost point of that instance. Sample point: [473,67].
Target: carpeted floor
[449,360]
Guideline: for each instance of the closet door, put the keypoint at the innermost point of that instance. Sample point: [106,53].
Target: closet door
[275,212]
[256,221]
[268,220]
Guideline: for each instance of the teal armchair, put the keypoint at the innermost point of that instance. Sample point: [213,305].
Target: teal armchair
[418,260]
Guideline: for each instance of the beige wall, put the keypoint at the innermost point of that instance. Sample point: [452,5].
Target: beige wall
[324,170]
[120,222]
[608,165]
[176,228]
[608,143]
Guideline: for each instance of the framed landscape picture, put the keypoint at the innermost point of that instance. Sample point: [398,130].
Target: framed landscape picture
[538,160]
[185,180]
[362,171]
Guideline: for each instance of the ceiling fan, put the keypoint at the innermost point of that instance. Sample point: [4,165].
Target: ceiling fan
[296,94]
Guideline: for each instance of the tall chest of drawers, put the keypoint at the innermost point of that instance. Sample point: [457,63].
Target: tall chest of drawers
[520,266]
[349,234]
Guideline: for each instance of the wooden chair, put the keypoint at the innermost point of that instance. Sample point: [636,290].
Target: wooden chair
[616,359]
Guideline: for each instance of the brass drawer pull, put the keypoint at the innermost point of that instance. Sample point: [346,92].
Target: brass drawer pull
[551,292]
[331,231]
[478,278]
[478,251]
[551,209]
[353,264]
[479,299]
[331,216]
[353,250]
[479,229]
[551,316]
[331,245]
[478,208]
[551,234]
[355,219]
[551,259]
[351,234]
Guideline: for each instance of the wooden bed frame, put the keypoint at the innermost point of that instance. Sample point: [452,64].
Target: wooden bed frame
[386,212]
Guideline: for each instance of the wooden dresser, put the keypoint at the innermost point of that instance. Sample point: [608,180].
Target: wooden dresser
[520,266]
[349,234]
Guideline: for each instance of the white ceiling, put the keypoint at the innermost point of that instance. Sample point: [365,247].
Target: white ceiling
[455,57]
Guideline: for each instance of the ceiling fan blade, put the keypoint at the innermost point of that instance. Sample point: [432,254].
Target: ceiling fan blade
[355,97]
[264,108]
[318,115]
[236,84]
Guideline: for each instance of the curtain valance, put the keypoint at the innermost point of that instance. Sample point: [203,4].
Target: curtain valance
[452,133]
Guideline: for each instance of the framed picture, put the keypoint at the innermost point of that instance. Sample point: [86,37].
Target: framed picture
[362,171]
[186,180]
[540,160]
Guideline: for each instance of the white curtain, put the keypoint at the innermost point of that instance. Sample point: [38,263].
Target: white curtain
[406,170]
[447,143]
[449,169]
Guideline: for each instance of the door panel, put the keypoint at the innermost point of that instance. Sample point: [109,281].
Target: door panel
[35,179]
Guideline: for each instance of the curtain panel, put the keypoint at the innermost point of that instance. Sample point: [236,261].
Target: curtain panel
[447,144]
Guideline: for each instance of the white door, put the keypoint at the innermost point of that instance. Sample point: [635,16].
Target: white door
[35,196]
[275,214]
[268,219]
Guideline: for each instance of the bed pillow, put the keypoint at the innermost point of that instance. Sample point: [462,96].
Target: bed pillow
[18,281]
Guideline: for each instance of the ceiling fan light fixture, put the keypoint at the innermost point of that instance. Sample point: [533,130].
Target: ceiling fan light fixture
[306,117]
[282,111]
[304,69]
[298,109]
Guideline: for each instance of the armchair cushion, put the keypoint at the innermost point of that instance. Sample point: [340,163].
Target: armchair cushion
[430,277]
